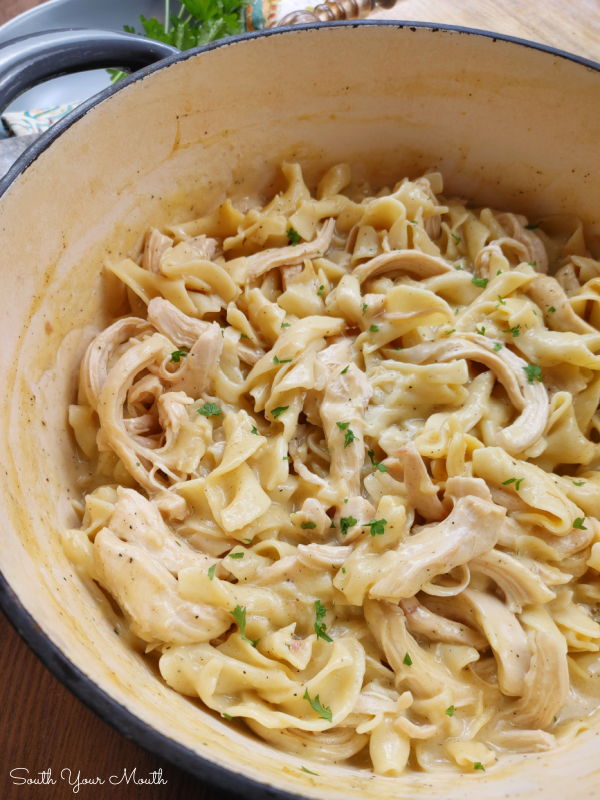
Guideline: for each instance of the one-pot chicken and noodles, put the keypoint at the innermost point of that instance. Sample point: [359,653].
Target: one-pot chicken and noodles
[343,479]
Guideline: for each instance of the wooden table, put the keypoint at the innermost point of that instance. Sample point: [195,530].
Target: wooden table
[42,726]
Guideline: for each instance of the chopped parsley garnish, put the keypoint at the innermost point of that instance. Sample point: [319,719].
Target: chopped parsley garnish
[116,631]
[227,717]
[532,227]
[456,238]
[345,370]
[515,331]
[377,526]
[239,615]
[479,765]
[236,555]
[481,283]
[320,626]
[373,329]
[249,540]
[177,355]
[497,346]
[316,706]
[308,526]
[449,332]
[278,411]
[309,772]
[282,361]
[413,222]
[254,431]
[349,433]
[579,524]
[332,524]
[293,236]
[365,306]
[516,481]
[532,263]
[344,571]
[321,291]
[579,483]
[481,332]
[346,523]
[551,310]
[177,543]
[458,267]
[211,572]
[499,272]
[407,660]
[501,301]
[534,372]
[286,458]
[376,464]
[449,711]
[243,336]
[210,410]
[285,324]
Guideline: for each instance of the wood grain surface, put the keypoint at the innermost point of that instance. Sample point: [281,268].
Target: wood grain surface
[42,726]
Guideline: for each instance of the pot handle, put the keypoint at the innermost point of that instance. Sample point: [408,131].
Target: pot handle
[29,60]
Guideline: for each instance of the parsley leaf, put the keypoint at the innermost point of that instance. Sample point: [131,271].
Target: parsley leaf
[365,306]
[277,411]
[320,626]
[532,263]
[534,372]
[481,332]
[407,660]
[344,371]
[497,346]
[579,524]
[579,483]
[227,717]
[459,268]
[239,615]
[346,523]
[449,711]
[321,291]
[308,526]
[211,572]
[518,483]
[210,410]
[309,772]
[177,355]
[510,480]
[373,329]
[479,765]
[316,706]
[452,331]
[283,361]
[515,331]
[376,464]
[501,301]
[236,555]
[293,236]
[254,431]
[377,526]
[532,227]
[481,283]
[551,310]
[349,437]
[285,324]
[457,239]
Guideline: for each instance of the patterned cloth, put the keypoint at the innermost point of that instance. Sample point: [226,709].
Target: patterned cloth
[21,123]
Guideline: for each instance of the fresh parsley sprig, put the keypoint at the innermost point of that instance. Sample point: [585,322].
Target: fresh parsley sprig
[324,712]
[320,626]
[239,615]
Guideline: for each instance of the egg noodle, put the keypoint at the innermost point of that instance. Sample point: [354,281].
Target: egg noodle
[343,479]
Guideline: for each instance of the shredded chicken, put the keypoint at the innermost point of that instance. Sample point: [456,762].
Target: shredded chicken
[519,585]
[260,263]
[423,622]
[547,293]
[546,685]
[156,246]
[471,529]
[346,398]
[148,592]
[422,492]
[174,324]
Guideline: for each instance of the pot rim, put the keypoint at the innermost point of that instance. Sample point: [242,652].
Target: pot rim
[113,713]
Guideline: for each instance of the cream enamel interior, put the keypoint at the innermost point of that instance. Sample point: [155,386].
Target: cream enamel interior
[507,125]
